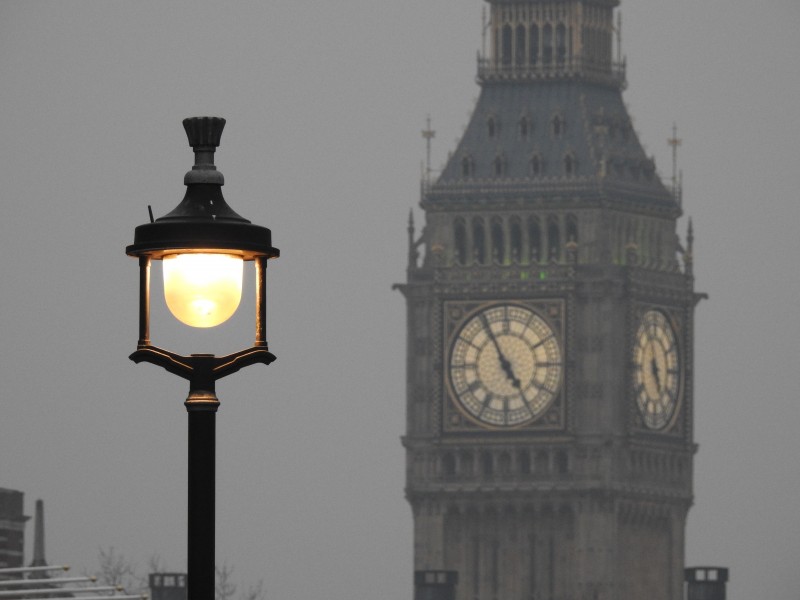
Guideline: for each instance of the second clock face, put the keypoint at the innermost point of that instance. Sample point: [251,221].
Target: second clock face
[505,366]
[657,372]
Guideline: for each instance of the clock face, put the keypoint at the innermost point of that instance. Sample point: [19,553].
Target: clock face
[657,370]
[505,366]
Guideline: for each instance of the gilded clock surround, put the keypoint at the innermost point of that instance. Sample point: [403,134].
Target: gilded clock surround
[546,411]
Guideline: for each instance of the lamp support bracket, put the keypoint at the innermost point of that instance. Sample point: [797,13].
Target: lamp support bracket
[202,370]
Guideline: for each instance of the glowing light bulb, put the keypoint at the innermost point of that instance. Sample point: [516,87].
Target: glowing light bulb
[202,290]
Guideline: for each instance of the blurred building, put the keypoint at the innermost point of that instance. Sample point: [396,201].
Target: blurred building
[167,586]
[706,583]
[550,311]
[12,528]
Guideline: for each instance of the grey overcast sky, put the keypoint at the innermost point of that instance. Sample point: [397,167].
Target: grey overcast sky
[325,102]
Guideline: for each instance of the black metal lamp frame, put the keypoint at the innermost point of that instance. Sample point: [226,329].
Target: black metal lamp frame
[202,222]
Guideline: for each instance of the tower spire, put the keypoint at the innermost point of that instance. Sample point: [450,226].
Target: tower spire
[428,134]
[675,141]
[484,27]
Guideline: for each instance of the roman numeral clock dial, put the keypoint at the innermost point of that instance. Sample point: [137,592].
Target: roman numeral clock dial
[657,373]
[505,366]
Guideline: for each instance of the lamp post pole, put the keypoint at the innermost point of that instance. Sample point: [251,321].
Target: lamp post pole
[201,565]
[206,243]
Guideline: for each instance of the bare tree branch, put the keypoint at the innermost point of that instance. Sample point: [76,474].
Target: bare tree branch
[224,587]
[115,569]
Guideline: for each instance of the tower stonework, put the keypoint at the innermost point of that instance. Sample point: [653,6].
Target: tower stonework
[549,433]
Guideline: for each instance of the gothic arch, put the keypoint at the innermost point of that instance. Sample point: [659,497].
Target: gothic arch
[467,166]
[498,241]
[515,239]
[519,45]
[533,52]
[537,164]
[448,465]
[561,44]
[561,462]
[559,125]
[525,126]
[491,126]
[466,464]
[570,164]
[534,239]
[572,228]
[478,241]
[541,463]
[504,464]
[553,239]
[499,165]
[487,464]
[506,45]
[524,462]
[547,45]
[460,241]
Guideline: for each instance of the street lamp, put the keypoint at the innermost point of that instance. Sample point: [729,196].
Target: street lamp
[202,245]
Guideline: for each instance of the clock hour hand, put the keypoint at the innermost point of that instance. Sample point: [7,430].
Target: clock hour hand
[504,363]
[654,370]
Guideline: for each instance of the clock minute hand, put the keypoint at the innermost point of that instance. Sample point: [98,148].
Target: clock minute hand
[504,363]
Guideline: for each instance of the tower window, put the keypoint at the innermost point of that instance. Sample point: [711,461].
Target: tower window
[572,229]
[534,240]
[498,242]
[548,45]
[516,239]
[448,466]
[537,165]
[506,44]
[534,45]
[504,464]
[466,464]
[562,463]
[499,166]
[553,240]
[519,54]
[524,461]
[491,127]
[559,125]
[487,464]
[561,44]
[525,127]
[478,241]
[467,166]
[541,462]
[570,164]
[460,235]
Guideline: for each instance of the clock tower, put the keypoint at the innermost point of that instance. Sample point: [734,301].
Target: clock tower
[550,332]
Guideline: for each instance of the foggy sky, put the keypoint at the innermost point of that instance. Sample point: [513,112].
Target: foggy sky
[325,103]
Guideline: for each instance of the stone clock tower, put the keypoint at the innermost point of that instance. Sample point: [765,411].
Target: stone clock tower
[550,332]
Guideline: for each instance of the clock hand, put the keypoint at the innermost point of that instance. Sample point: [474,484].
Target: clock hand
[504,363]
[654,370]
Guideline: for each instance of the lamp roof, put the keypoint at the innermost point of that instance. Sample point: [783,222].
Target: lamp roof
[203,220]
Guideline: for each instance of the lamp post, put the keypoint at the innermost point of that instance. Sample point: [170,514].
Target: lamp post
[202,244]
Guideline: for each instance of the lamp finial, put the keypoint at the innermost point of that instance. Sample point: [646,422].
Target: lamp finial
[204,134]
